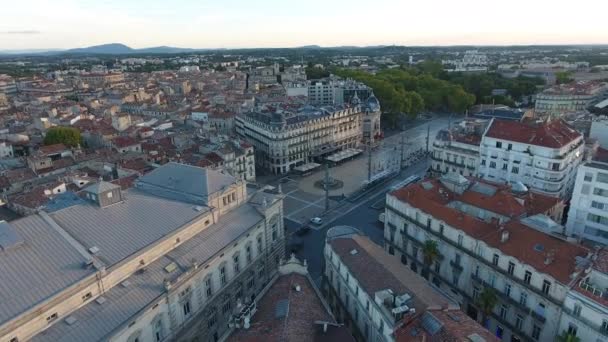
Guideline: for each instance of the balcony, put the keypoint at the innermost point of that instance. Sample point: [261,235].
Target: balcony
[519,281]
[456,266]
[538,316]
[587,322]
[583,284]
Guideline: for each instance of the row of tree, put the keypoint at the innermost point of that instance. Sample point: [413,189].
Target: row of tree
[410,91]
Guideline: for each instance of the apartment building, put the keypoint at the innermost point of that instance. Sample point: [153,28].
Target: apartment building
[380,300]
[571,97]
[284,139]
[486,238]
[333,91]
[7,84]
[588,215]
[457,150]
[585,310]
[185,247]
[542,155]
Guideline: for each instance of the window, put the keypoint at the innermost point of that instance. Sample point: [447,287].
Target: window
[492,279]
[597,219]
[483,162]
[588,177]
[227,306]
[237,266]
[274,233]
[599,192]
[511,268]
[515,170]
[208,287]
[475,292]
[186,307]
[52,317]
[604,327]
[523,299]
[460,238]
[498,144]
[508,289]
[597,205]
[577,310]
[87,296]
[505,166]
[260,246]
[492,165]
[248,253]
[499,331]
[546,286]
[585,189]
[495,259]
[223,275]
[519,320]
[109,195]
[527,277]
[602,177]
[535,332]
[509,147]
[503,311]
[477,271]
[572,329]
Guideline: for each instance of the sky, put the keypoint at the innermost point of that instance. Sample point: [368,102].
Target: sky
[62,24]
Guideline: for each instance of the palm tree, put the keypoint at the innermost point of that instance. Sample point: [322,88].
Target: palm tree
[567,337]
[486,302]
[430,253]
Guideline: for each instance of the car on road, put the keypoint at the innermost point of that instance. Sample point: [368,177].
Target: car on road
[303,230]
[316,220]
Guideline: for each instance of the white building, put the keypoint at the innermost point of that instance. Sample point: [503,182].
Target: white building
[381,300]
[284,140]
[457,150]
[572,97]
[483,242]
[585,311]
[185,247]
[544,156]
[588,216]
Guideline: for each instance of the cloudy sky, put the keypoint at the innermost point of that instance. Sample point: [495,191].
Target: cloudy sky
[46,24]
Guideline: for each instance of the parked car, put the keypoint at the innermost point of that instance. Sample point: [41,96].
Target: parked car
[316,220]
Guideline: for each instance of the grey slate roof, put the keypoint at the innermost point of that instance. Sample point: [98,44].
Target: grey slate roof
[124,228]
[41,266]
[97,321]
[184,182]
[101,187]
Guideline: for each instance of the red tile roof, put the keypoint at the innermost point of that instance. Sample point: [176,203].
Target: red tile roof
[552,134]
[456,327]
[124,141]
[522,239]
[52,149]
[305,308]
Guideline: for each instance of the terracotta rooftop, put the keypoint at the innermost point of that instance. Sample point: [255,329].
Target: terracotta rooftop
[304,308]
[601,155]
[522,242]
[553,134]
[52,149]
[456,326]
[124,141]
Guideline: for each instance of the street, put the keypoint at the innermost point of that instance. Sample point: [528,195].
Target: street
[360,215]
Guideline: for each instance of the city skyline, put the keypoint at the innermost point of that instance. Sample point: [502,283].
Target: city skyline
[66,24]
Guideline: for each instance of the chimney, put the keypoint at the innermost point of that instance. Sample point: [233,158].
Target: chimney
[504,236]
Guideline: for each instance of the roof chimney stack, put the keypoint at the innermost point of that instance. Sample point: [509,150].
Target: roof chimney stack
[504,236]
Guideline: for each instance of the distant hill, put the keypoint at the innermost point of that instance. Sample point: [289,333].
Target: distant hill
[114,49]
[121,49]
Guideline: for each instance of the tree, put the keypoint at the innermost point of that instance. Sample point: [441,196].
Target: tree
[567,337]
[68,136]
[430,253]
[562,77]
[486,302]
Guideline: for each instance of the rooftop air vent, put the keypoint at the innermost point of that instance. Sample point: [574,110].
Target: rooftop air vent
[125,283]
[353,252]
[94,250]
[100,300]
[70,320]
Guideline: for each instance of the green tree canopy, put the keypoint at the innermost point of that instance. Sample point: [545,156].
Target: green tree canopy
[68,136]
[486,301]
